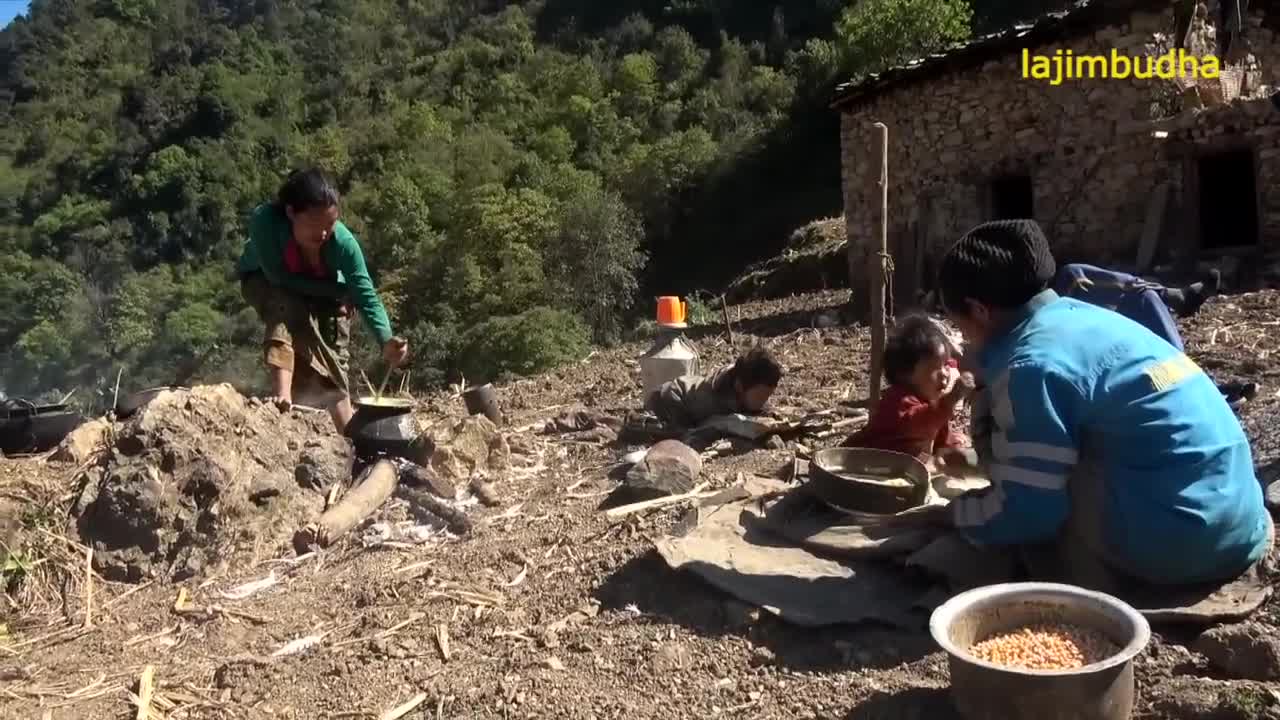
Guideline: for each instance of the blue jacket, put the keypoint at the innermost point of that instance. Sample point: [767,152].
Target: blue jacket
[1127,294]
[1071,385]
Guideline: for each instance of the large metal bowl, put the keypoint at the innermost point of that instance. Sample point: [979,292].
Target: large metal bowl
[985,691]
[858,480]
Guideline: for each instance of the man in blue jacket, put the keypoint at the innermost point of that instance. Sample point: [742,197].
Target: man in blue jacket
[1102,438]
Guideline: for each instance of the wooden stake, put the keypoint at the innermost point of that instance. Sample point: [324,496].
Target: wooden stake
[88,588]
[442,639]
[146,688]
[115,396]
[878,259]
[724,310]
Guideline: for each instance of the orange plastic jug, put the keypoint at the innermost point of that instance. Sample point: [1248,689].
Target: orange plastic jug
[671,310]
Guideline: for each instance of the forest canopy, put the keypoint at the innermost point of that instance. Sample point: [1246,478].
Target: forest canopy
[518,173]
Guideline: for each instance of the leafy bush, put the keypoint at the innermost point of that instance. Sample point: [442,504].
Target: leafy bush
[523,344]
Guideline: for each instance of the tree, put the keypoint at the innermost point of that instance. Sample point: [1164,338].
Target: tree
[875,34]
[516,172]
[595,259]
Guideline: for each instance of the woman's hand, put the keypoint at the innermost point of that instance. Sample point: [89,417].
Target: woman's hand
[396,351]
[923,517]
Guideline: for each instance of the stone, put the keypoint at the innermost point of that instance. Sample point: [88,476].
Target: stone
[473,444]
[1248,651]
[671,657]
[762,657]
[80,444]
[427,478]
[739,615]
[1273,495]
[263,488]
[485,492]
[669,468]
[323,464]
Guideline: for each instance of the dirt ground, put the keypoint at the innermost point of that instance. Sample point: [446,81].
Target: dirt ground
[549,609]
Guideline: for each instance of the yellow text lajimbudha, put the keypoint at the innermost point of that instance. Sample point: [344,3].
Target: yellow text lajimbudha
[1066,65]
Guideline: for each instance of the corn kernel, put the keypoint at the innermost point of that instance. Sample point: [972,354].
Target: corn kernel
[1045,647]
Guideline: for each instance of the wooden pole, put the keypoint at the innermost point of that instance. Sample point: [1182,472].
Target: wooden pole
[877,265]
[724,309]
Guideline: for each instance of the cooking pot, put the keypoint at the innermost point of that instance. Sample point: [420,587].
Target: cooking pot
[130,404]
[986,691]
[383,426]
[868,480]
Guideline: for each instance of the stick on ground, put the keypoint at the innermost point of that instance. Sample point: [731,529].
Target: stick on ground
[442,639]
[694,494]
[146,688]
[88,588]
[405,709]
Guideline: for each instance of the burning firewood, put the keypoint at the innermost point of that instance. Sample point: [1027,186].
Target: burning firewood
[359,503]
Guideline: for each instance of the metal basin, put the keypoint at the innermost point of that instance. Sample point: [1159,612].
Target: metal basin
[861,480]
[37,433]
[984,691]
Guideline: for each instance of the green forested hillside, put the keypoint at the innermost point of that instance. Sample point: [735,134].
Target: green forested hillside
[518,172]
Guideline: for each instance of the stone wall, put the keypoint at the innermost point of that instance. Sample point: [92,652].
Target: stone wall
[1087,146]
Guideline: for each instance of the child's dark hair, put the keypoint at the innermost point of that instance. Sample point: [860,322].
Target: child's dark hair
[914,338]
[307,189]
[757,368]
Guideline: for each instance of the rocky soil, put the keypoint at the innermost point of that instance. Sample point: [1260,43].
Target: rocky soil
[545,609]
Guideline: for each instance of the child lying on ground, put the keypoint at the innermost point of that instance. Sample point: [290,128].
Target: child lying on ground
[741,388]
[914,413]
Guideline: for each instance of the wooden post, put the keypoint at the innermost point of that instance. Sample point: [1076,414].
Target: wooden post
[877,265]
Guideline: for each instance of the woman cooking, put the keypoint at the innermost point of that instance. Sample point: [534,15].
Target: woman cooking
[302,271]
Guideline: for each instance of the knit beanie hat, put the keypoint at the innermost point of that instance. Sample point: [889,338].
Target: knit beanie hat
[1002,264]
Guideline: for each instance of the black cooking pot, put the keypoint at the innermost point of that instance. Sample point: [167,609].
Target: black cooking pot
[866,480]
[383,427]
[130,404]
[29,428]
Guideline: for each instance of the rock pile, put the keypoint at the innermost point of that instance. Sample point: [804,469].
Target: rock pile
[198,475]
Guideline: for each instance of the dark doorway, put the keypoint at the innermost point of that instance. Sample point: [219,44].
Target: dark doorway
[1228,200]
[1012,197]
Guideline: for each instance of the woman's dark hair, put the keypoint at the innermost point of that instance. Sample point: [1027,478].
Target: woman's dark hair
[914,338]
[757,368]
[306,190]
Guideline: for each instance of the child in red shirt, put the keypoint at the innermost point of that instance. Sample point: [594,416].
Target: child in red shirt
[914,413]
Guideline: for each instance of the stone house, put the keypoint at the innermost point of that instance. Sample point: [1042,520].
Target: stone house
[1126,172]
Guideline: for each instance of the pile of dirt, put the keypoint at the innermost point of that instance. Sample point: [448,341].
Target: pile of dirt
[198,476]
[815,258]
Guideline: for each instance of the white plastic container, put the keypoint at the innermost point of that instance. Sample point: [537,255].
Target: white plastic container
[669,358]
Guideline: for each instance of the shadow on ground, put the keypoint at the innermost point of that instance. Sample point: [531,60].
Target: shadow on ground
[909,704]
[666,595]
